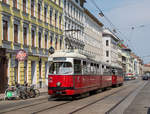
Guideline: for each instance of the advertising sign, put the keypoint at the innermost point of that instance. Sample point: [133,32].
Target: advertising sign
[21,55]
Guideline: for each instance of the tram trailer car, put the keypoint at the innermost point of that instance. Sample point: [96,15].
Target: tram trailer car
[117,77]
[73,74]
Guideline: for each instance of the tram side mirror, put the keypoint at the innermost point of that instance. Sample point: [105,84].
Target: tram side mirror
[51,50]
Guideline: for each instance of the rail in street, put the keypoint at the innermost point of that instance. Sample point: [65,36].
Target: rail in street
[101,102]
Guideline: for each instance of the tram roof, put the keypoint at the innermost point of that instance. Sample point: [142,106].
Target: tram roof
[68,54]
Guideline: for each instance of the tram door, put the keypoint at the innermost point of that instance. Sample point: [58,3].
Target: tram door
[3,74]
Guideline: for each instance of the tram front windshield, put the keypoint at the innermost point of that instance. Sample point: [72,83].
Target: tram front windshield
[61,68]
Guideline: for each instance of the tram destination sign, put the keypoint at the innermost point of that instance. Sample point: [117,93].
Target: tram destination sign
[21,55]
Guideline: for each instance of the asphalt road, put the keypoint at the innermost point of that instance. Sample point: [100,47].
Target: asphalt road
[113,101]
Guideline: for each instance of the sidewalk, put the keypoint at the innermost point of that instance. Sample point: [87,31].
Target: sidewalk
[43,91]
[141,103]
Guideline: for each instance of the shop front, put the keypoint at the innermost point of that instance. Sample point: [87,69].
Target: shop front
[3,70]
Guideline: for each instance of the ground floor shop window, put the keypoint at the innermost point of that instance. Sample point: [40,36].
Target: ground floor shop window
[46,65]
[25,71]
[16,71]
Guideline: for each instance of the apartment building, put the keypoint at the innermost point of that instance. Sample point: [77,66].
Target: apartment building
[74,24]
[33,26]
[93,37]
[111,48]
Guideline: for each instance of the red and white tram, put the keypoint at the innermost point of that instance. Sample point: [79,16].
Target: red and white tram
[74,74]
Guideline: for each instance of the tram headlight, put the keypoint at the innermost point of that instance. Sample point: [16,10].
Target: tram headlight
[58,84]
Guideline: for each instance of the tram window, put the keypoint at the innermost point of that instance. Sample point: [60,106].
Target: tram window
[85,70]
[120,72]
[113,72]
[107,71]
[77,67]
[92,68]
[97,69]
[61,68]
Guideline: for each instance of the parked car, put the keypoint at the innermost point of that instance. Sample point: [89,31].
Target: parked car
[145,77]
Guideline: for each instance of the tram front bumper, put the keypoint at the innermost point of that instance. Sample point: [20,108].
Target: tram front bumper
[61,90]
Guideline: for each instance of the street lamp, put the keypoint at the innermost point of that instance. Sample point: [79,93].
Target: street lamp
[101,14]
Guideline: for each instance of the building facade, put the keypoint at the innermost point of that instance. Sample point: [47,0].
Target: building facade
[111,48]
[146,69]
[33,26]
[137,65]
[93,37]
[74,24]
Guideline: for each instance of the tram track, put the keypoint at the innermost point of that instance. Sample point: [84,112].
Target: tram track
[111,109]
[64,103]
[38,103]
[108,112]
[56,106]
[21,107]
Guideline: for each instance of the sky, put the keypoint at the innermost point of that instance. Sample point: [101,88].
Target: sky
[131,19]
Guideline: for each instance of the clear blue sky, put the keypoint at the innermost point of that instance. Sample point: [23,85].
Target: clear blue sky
[125,14]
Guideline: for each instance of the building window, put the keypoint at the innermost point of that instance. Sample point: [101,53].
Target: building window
[32,7]
[15,3]
[51,14]
[33,38]
[59,2]
[5,30]
[5,1]
[74,12]
[107,53]
[46,66]
[39,10]
[64,4]
[25,70]
[107,43]
[60,19]
[15,33]
[45,41]
[45,13]
[25,35]
[51,39]
[40,69]
[16,71]
[56,18]
[24,6]
[79,16]
[39,39]
[71,10]
[56,41]
[61,42]
[68,7]
[77,1]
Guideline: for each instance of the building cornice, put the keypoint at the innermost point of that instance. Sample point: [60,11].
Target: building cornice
[93,17]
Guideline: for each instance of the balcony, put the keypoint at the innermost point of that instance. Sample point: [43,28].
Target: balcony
[16,10]
[41,51]
[46,51]
[5,5]
[26,48]
[17,46]
[6,44]
[34,51]
[33,18]
[25,14]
